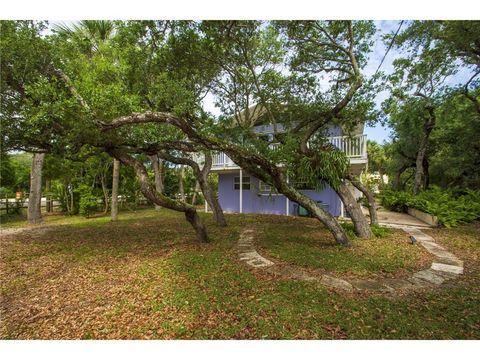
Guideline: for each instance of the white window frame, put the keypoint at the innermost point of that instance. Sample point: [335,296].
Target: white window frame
[245,182]
[264,187]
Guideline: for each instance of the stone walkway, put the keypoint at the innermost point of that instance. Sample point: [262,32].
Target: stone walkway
[386,217]
[446,266]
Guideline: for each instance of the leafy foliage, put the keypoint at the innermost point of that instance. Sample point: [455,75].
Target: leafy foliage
[88,202]
[451,207]
[7,171]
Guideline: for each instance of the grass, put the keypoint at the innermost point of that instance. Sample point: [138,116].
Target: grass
[311,246]
[144,277]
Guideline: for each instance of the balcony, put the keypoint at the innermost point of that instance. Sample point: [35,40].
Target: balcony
[354,147]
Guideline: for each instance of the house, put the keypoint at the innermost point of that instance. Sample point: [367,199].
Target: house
[240,192]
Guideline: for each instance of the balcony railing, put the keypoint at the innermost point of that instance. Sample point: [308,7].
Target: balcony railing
[220,159]
[354,147]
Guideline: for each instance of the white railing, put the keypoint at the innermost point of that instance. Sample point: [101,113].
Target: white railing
[353,147]
[221,160]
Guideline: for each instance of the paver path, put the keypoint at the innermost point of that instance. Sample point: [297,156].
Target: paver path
[445,266]
[386,217]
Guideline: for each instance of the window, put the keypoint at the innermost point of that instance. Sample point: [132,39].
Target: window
[245,183]
[303,185]
[264,188]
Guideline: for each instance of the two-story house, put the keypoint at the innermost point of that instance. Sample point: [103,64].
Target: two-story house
[241,192]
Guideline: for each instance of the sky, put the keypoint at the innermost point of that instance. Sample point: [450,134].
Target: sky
[379,133]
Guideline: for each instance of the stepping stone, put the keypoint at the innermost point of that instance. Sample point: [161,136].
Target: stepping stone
[446,275]
[245,248]
[369,285]
[303,275]
[336,283]
[413,231]
[430,276]
[397,284]
[419,283]
[279,271]
[432,246]
[423,237]
[449,261]
[245,242]
[260,262]
[248,255]
[438,251]
[447,268]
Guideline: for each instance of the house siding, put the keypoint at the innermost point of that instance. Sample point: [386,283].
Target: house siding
[254,202]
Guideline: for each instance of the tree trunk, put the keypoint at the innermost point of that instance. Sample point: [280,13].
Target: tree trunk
[212,201]
[35,197]
[67,202]
[422,150]
[398,175]
[316,211]
[160,199]
[202,178]
[103,182]
[362,228]
[382,182]
[181,188]
[116,179]
[48,204]
[193,218]
[157,164]
[419,171]
[195,192]
[426,178]
[372,206]
[72,200]
[208,194]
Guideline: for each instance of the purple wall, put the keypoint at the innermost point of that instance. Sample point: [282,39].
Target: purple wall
[253,202]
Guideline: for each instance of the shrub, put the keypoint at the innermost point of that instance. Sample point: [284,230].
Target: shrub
[379,231]
[396,201]
[349,229]
[452,207]
[88,202]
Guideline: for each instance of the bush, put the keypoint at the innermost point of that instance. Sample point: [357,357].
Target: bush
[377,230]
[380,231]
[396,201]
[452,207]
[349,229]
[88,202]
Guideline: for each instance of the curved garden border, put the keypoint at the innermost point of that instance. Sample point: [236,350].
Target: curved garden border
[444,267]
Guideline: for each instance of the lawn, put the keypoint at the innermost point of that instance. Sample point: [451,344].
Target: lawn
[144,277]
[311,246]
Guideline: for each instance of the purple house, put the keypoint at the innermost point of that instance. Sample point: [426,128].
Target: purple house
[240,192]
